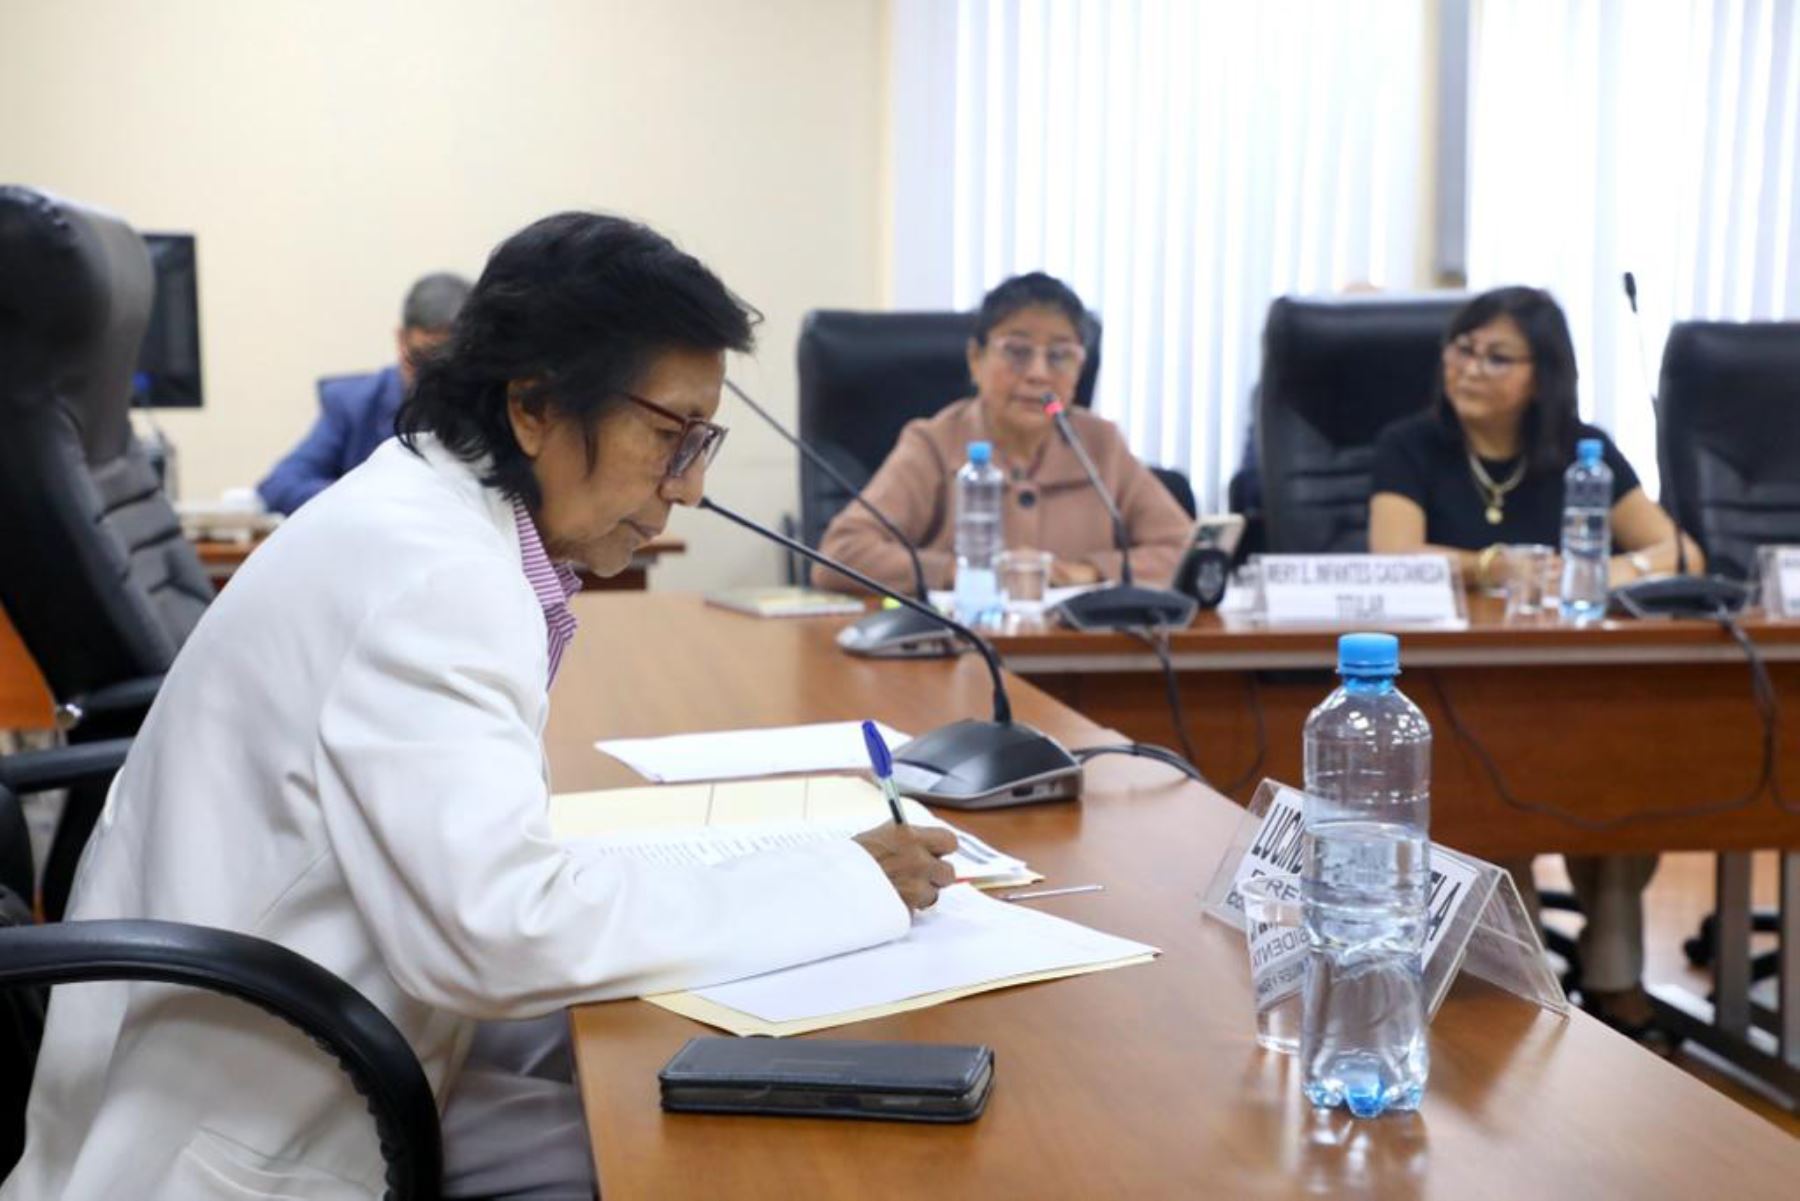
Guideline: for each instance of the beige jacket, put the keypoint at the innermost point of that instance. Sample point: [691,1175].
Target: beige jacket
[1048,506]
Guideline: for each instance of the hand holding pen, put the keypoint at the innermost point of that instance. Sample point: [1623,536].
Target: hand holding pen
[909,855]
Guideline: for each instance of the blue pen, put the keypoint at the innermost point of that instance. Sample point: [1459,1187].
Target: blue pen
[882,761]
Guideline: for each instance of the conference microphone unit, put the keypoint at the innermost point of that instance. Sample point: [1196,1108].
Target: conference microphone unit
[1123,605]
[968,764]
[1681,594]
[887,633]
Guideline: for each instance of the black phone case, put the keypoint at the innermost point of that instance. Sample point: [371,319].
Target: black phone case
[842,1078]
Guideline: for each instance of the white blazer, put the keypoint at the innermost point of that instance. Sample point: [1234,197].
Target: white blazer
[346,759]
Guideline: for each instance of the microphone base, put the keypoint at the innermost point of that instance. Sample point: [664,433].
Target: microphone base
[986,765]
[1126,606]
[898,634]
[1682,596]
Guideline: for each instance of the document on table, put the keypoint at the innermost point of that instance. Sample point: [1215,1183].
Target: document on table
[967,943]
[729,754]
[709,823]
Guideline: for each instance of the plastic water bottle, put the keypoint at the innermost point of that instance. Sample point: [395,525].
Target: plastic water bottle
[978,540]
[1586,533]
[1364,887]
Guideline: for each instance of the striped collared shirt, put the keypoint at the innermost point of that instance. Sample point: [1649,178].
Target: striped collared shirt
[554,584]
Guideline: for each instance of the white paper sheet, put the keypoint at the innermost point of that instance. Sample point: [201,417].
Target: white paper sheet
[974,860]
[729,754]
[965,939]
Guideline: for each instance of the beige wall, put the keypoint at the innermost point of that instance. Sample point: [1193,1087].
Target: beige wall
[328,152]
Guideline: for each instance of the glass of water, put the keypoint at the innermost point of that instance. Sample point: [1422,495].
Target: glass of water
[1277,939]
[1531,583]
[1025,583]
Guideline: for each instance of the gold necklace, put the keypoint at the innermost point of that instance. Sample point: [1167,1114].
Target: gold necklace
[1495,493]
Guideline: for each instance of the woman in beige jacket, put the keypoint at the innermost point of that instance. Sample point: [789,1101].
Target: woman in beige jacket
[1027,343]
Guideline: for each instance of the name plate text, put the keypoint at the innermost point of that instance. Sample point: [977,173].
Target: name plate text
[1360,590]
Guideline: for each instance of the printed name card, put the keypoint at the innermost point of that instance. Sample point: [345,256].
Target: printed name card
[1360,590]
[1475,916]
[1780,571]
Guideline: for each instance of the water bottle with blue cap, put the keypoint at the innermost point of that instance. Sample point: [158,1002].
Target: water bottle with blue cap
[1586,532]
[979,488]
[1364,887]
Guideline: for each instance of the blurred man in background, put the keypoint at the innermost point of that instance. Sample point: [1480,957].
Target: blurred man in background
[356,412]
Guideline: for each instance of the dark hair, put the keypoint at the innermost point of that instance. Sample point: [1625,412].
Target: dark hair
[433,302]
[1553,418]
[572,309]
[1033,290]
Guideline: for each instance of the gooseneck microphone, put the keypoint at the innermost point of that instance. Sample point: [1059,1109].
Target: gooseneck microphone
[1124,605]
[968,764]
[887,633]
[1679,595]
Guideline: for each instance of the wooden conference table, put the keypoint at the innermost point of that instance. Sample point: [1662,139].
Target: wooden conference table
[1626,736]
[1143,1082]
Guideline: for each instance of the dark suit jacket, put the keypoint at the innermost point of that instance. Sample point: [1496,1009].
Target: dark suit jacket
[356,414]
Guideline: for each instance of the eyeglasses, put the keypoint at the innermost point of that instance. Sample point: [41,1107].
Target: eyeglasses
[1464,352]
[698,440]
[1060,358]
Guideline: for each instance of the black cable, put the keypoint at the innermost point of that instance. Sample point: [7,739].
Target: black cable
[1142,750]
[1157,639]
[1159,645]
[1254,692]
[1767,707]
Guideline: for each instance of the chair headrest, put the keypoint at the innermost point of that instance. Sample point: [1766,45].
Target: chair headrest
[1352,364]
[75,295]
[865,375]
[1735,383]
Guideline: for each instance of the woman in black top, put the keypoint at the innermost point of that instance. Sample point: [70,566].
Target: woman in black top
[1482,469]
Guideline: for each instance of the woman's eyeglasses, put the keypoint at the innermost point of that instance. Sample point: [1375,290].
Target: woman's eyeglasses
[1060,358]
[697,442]
[1463,352]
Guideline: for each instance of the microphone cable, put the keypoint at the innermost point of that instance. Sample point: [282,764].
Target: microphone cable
[1768,710]
[1141,750]
[1157,639]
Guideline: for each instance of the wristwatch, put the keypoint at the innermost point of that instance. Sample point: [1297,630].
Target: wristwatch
[1640,563]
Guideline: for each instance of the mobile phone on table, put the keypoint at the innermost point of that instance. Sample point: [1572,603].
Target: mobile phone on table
[838,1078]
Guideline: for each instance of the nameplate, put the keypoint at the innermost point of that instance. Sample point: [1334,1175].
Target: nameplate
[1779,569]
[1474,914]
[1359,590]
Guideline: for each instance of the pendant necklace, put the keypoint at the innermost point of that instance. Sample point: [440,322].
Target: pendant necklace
[1495,493]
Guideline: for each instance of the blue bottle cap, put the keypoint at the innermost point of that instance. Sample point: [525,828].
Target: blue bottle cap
[980,452]
[1368,655]
[1590,450]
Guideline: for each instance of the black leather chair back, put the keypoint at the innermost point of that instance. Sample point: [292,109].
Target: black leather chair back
[1336,371]
[863,376]
[1729,440]
[94,571]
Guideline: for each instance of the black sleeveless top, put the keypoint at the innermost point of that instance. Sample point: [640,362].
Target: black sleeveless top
[1423,459]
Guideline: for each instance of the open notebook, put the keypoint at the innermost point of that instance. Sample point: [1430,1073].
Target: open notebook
[967,943]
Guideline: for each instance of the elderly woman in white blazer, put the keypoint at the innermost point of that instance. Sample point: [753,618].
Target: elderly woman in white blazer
[346,759]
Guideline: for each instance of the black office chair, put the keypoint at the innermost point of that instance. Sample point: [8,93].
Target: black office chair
[1335,371]
[94,572]
[378,1060]
[1729,440]
[1728,445]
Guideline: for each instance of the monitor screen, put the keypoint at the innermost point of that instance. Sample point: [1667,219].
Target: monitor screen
[168,372]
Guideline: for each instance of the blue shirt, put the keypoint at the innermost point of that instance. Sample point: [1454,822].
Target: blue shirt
[356,414]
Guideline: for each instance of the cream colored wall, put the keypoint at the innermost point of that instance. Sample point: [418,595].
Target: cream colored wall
[328,152]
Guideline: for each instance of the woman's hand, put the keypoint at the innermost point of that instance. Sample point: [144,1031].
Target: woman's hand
[1066,573]
[910,857]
